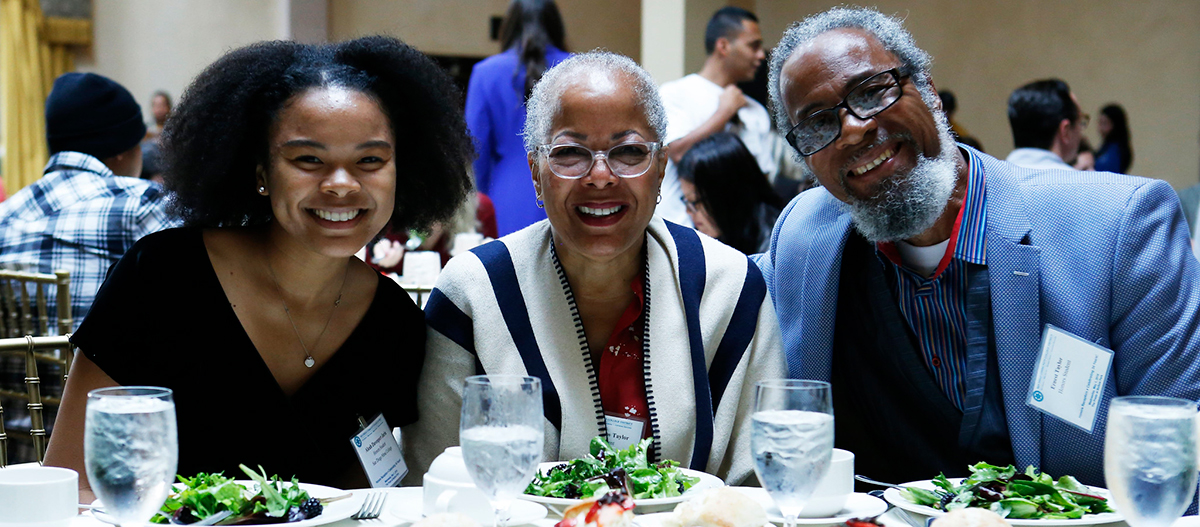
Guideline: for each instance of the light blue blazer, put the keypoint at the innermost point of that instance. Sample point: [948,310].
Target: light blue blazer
[1103,256]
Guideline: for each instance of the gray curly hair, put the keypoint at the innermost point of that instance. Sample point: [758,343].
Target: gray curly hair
[888,30]
[545,101]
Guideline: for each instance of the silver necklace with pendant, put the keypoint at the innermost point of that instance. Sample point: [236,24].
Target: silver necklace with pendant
[309,361]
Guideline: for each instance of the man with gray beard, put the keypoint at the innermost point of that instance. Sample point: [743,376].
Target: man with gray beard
[920,277]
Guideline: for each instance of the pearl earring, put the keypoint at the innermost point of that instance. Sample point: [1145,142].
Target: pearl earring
[262,190]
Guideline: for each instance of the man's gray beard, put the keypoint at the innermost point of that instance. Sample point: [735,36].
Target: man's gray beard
[908,204]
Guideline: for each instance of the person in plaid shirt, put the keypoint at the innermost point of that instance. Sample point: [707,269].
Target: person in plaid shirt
[89,206]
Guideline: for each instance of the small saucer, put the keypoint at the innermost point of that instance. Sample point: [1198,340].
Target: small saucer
[858,505]
[406,505]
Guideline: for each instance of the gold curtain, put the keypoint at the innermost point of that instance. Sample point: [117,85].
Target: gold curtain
[34,50]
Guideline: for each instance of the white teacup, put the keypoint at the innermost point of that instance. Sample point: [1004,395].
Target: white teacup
[835,487]
[38,496]
[448,487]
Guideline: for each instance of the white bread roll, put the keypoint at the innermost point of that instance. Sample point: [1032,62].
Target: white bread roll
[720,507]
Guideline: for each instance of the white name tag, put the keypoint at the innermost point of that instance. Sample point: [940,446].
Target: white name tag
[380,455]
[623,432]
[1068,378]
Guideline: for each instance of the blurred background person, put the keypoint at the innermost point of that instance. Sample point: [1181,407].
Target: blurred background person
[160,109]
[709,101]
[1086,158]
[950,106]
[1115,153]
[1047,125]
[1189,200]
[152,162]
[89,207]
[726,194]
[532,37]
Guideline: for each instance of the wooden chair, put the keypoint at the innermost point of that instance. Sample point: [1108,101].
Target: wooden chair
[29,348]
[20,315]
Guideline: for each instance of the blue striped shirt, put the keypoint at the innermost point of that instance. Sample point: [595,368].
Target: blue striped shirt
[936,307]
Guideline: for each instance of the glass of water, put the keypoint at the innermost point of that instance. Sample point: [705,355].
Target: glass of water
[1150,458]
[791,437]
[131,450]
[501,435]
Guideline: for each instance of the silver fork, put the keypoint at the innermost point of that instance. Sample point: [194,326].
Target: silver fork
[371,507]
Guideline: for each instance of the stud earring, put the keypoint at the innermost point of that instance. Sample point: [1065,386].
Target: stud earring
[262,190]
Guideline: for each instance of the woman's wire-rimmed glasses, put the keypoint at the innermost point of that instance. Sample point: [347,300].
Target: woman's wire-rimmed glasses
[819,130]
[573,161]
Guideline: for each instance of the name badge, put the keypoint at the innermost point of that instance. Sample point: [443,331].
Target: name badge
[1068,378]
[379,452]
[623,432]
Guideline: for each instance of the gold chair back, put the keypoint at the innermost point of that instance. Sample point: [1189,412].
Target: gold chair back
[21,315]
[55,350]
[419,293]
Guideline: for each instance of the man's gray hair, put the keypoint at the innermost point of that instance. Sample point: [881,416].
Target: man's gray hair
[546,100]
[888,30]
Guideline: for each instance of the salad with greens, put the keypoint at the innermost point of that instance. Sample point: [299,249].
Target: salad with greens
[608,468]
[1028,495]
[205,495]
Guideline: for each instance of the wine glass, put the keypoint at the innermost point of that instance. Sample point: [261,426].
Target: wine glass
[1150,458]
[131,449]
[791,437]
[501,436]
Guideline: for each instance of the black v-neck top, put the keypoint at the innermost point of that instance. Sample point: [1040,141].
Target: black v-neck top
[162,319]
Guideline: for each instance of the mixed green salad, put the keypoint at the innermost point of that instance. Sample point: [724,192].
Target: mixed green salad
[205,495]
[1028,495]
[608,468]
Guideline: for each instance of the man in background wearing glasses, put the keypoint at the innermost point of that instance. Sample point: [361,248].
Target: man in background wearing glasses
[920,277]
[1046,125]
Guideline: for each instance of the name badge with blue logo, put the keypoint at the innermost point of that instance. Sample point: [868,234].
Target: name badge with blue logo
[379,452]
[1069,377]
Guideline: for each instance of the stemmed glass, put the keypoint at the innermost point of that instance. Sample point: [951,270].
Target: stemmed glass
[1150,458]
[791,437]
[131,449]
[501,436]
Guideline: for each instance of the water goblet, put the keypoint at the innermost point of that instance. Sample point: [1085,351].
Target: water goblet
[1150,458]
[131,449]
[791,438]
[501,436]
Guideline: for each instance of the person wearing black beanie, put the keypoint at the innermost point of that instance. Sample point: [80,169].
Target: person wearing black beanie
[94,115]
[89,206]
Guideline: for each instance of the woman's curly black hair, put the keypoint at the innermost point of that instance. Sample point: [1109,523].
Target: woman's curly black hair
[218,134]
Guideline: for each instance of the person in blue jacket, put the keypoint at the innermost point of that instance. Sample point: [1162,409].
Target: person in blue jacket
[920,276]
[532,38]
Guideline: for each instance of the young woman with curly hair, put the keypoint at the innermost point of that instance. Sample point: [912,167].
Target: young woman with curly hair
[284,159]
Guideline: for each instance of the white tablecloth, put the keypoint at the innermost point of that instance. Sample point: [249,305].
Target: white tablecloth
[401,501]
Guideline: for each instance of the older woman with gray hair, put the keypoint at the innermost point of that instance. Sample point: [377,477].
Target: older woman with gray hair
[638,328]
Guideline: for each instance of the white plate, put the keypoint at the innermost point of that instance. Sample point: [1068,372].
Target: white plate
[406,503]
[707,481]
[893,497]
[338,510]
[857,505]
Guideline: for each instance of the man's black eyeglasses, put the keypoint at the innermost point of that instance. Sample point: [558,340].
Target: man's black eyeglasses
[866,100]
